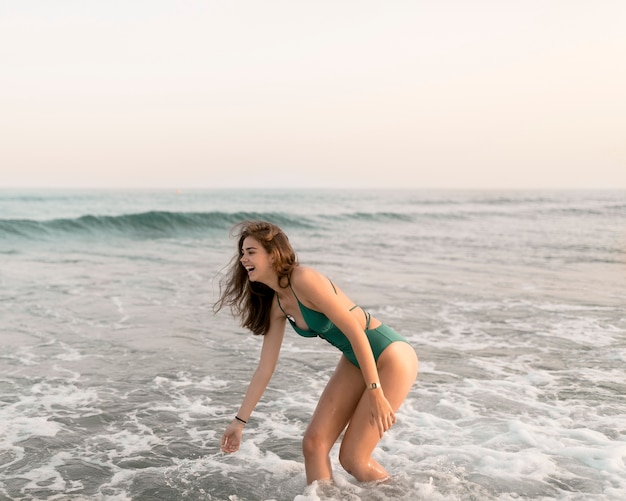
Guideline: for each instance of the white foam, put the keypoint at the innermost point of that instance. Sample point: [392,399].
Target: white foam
[48,394]
[135,438]
[184,380]
[568,307]
[586,331]
[30,415]
[71,355]
[608,459]
[46,474]
[389,311]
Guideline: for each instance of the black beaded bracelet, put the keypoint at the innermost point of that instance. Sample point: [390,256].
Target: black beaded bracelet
[241,420]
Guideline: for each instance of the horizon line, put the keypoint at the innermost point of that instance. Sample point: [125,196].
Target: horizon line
[308,188]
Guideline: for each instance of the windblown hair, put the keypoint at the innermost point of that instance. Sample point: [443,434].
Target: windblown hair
[251,302]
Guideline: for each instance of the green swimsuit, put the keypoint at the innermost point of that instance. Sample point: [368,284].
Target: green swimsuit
[320,325]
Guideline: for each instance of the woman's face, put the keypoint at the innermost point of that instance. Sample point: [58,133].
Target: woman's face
[255,259]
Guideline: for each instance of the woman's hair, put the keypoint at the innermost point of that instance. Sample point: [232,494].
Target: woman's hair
[251,301]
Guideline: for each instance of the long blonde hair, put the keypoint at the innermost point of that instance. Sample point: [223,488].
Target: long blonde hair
[250,301]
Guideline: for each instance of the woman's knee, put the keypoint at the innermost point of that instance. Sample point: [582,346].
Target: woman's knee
[315,444]
[350,457]
[355,467]
[364,469]
[346,460]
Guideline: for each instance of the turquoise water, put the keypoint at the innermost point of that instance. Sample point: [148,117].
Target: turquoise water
[117,380]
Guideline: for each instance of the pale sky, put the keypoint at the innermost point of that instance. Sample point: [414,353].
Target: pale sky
[302,93]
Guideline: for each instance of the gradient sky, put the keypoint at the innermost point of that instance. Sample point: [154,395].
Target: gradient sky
[303,93]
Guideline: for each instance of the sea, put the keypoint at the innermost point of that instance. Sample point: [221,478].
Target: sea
[117,378]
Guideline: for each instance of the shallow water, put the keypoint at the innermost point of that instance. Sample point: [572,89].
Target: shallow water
[117,380]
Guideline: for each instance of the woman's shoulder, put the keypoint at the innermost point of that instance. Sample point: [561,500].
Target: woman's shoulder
[304,274]
[306,279]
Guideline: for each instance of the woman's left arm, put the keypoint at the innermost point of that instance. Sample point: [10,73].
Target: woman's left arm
[318,290]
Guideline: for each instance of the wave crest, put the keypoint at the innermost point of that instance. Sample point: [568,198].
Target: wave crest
[152,224]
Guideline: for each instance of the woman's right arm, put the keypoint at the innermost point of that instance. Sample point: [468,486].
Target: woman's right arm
[272,341]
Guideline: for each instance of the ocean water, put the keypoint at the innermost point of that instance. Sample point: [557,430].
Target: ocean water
[117,379]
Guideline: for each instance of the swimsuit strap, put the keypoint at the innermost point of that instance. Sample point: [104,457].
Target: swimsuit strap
[298,299]
[294,292]
[280,305]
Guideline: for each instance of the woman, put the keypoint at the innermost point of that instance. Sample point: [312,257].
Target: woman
[265,288]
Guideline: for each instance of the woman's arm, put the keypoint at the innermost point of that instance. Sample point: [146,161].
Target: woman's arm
[272,341]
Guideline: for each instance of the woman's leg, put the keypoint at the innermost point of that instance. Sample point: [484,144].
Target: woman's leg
[333,412]
[397,369]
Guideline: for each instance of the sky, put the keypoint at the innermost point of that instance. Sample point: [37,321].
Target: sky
[458,94]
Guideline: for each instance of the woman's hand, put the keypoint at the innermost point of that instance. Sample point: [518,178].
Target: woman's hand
[381,413]
[231,440]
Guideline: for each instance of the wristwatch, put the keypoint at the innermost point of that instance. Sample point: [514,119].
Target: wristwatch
[373,386]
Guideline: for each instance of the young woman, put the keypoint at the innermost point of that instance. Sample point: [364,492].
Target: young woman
[266,287]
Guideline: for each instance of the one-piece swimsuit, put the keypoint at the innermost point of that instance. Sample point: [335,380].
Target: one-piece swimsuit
[319,325]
